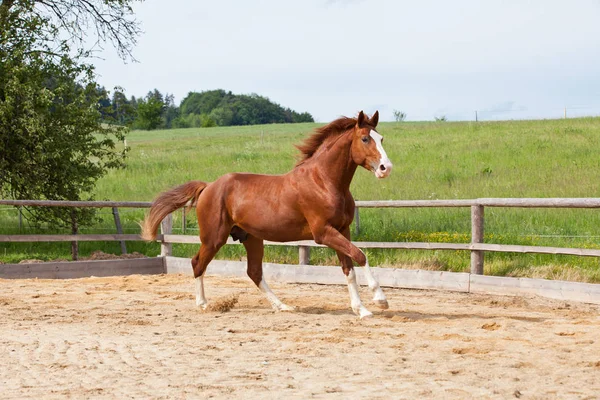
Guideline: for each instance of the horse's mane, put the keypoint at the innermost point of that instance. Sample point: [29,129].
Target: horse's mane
[313,142]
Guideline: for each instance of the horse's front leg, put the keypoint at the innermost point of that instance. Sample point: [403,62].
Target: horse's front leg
[347,252]
[355,301]
[378,296]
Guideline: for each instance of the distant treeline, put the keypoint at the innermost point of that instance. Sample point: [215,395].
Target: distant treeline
[204,109]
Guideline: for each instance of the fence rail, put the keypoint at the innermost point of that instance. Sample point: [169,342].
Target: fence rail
[549,202]
[82,204]
[477,247]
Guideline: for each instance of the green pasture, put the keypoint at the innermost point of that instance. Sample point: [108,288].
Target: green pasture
[445,160]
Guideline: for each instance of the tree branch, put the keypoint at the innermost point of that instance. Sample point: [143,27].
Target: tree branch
[113,21]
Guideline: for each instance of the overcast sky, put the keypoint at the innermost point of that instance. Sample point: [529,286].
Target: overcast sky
[507,59]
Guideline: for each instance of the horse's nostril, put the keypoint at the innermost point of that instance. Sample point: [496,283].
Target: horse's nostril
[382,167]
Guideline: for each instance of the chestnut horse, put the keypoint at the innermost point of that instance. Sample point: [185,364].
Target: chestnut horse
[312,201]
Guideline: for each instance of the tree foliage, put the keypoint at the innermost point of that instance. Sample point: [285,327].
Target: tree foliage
[123,110]
[205,109]
[226,108]
[150,111]
[53,142]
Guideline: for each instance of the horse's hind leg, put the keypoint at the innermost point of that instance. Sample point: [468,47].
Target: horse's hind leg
[199,264]
[208,249]
[255,251]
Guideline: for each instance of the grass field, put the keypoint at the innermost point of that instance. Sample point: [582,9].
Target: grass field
[449,160]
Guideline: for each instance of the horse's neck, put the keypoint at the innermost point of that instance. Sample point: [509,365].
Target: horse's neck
[335,162]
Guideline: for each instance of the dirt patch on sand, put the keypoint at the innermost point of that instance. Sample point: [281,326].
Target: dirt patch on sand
[100,255]
[96,255]
[143,337]
[32,261]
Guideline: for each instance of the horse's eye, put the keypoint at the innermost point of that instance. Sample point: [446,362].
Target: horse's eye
[365,139]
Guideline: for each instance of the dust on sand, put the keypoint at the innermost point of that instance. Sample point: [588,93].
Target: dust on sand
[143,337]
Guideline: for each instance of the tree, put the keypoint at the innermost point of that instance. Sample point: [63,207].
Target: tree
[170,112]
[223,116]
[104,104]
[149,112]
[202,103]
[123,111]
[225,108]
[53,144]
[399,116]
[441,118]
[301,117]
[206,121]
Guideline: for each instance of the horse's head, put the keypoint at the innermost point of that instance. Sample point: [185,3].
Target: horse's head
[367,146]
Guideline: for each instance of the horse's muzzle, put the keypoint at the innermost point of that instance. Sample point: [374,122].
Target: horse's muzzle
[384,169]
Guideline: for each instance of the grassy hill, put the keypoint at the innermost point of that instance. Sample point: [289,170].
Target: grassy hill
[446,160]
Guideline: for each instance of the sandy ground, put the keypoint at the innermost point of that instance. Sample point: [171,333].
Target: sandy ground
[143,337]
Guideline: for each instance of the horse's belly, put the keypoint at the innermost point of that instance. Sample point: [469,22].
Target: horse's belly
[276,228]
[287,236]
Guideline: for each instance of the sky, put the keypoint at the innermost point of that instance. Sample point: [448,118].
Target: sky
[505,59]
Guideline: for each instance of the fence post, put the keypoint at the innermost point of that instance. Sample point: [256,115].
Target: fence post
[356,221]
[20,219]
[115,212]
[183,221]
[477,237]
[166,228]
[304,255]
[74,231]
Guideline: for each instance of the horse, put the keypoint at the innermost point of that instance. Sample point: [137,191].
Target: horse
[310,202]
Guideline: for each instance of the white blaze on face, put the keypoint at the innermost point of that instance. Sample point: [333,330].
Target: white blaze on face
[384,167]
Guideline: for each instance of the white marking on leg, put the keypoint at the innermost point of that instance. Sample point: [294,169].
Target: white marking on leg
[378,296]
[355,302]
[275,302]
[200,298]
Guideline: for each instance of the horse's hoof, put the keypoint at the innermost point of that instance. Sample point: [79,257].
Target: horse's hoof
[201,304]
[383,304]
[363,313]
[285,307]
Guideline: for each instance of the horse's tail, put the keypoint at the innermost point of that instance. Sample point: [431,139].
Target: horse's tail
[167,202]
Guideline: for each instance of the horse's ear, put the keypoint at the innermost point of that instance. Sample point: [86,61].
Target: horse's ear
[361,119]
[375,119]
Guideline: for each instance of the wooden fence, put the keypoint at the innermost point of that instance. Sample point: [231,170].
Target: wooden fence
[477,247]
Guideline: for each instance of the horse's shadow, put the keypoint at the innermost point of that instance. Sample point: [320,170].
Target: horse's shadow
[321,310]
[415,316]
